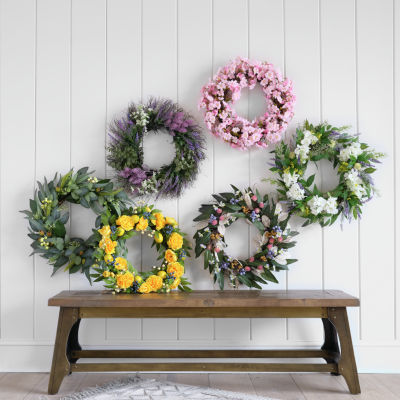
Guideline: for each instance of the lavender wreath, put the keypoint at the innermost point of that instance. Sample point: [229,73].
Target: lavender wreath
[125,152]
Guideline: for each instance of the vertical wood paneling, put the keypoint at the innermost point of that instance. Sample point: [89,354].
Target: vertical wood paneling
[159,76]
[195,68]
[375,81]
[230,40]
[123,87]
[303,67]
[63,79]
[17,96]
[52,135]
[88,120]
[266,43]
[396,142]
[338,101]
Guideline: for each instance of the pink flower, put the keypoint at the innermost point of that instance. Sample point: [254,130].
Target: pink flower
[215,222]
[280,239]
[247,268]
[271,240]
[217,249]
[261,205]
[257,210]
[254,197]
[269,247]
[219,211]
[260,267]
[222,217]
[251,259]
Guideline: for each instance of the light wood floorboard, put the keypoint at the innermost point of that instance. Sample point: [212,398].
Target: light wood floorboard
[33,386]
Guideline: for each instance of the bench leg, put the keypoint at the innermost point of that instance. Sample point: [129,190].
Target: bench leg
[347,363]
[331,344]
[61,365]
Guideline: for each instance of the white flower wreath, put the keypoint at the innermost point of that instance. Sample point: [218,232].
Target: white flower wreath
[355,160]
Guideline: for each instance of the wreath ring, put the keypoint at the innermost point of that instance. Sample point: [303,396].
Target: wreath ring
[218,96]
[118,274]
[48,216]
[125,152]
[275,238]
[355,162]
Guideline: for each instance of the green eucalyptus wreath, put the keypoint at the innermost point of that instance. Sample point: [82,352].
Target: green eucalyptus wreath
[48,216]
[355,161]
[275,238]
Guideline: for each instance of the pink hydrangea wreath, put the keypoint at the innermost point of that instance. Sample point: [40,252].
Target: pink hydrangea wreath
[221,93]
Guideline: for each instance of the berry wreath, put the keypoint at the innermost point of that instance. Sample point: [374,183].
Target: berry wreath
[272,224]
[125,152]
[48,216]
[118,274]
[355,162]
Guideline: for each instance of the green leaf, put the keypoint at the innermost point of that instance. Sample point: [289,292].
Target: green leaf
[59,229]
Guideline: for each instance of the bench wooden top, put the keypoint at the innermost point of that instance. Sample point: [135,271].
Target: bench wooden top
[207,299]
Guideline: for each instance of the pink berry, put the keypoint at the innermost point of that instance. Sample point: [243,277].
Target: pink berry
[247,268]
[254,197]
[271,240]
[257,210]
[260,267]
[251,259]
[261,204]
[222,217]
[219,211]
[280,239]
[269,247]
[215,222]
[217,249]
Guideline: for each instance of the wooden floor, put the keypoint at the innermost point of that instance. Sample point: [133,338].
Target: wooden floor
[29,386]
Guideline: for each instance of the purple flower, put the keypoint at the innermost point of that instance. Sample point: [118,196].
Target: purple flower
[134,175]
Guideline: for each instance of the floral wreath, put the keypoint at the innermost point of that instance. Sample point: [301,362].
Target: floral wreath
[117,272]
[355,160]
[218,96]
[270,220]
[48,216]
[125,152]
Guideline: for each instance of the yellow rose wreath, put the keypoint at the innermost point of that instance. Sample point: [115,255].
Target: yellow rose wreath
[117,272]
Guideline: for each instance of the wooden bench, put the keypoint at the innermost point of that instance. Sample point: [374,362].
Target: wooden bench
[329,305]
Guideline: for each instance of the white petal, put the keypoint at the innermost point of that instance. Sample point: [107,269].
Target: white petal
[265,221]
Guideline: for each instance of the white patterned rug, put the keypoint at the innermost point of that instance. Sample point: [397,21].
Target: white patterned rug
[137,388]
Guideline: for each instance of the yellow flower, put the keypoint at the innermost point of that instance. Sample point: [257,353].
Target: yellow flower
[170,221]
[160,221]
[142,224]
[135,219]
[162,274]
[170,256]
[108,245]
[108,258]
[105,231]
[176,283]
[121,263]
[175,241]
[106,274]
[120,231]
[125,222]
[138,279]
[155,282]
[125,281]
[158,237]
[147,209]
[144,288]
[176,269]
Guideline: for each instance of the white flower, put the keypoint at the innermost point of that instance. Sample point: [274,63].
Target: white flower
[355,183]
[295,192]
[280,213]
[247,200]
[331,205]
[265,221]
[302,152]
[309,138]
[289,179]
[316,204]
[282,257]
[221,229]
[354,150]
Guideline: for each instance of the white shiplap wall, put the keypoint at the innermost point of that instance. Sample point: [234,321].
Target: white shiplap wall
[68,66]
